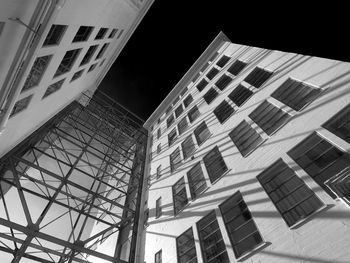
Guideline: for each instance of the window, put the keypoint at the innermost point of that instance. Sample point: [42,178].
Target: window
[269,117]
[159,171]
[183,91]
[159,207]
[113,32]
[257,77]
[179,110]
[159,133]
[223,111]
[296,94]
[223,82]
[182,126]
[21,105]
[88,55]
[185,247]
[158,121]
[196,180]
[179,195]
[193,114]
[102,50]
[67,62]
[158,257]
[170,120]
[188,147]
[340,124]
[77,75]
[55,35]
[188,100]
[293,199]
[240,95]
[241,228]
[101,33]
[36,72]
[340,185]
[215,164]
[92,67]
[320,159]
[210,95]
[53,88]
[168,109]
[212,73]
[83,33]
[172,136]
[175,160]
[120,33]
[202,133]
[202,84]
[236,67]
[223,61]
[246,138]
[159,148]
[212,244]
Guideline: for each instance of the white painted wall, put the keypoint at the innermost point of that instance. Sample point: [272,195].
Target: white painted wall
[326,237]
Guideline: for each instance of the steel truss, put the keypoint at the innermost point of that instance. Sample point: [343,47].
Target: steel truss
[71,192]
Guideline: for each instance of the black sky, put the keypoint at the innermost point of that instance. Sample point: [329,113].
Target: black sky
[173,34]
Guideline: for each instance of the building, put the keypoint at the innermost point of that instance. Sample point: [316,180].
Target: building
[71,159]
[249,160]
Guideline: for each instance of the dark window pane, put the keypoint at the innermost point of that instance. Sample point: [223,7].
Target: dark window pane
[212,73]
[55,35]
[179,195]
[223,61]
[36,72]
[223,111]
[202,133]
[88,55]
[170,120]
[175,160]
[258,77]
[202,84]
[83,33]
[67,62]
[188,147]
[240,95]
[215,164]
[236,67]
[172,136]
[21,105]
[210,95]
[196,180]
[101,33]
[193,114]
[179,110]
[183,125]
[53,88]
[340,124]
[188,100]
[185,247]
[223,82]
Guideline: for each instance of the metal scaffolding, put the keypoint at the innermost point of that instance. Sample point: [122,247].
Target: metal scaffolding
[71,192]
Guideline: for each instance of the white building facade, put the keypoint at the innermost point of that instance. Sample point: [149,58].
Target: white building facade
[249,160]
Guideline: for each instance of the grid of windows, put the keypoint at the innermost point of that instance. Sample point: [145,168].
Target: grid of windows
[188,100]
[196,181]
[170,120]
[296,94]
[210,95]
[240,95]
[92,67]
[223,61]
[223,82]
[293,199]
[101,33]
[246,138]
[320,159]
[67,62]
[215,164]
[102,50]
[236,67]
[241,228]
[83,33]
[113,32]
[77,74]
[212,73]
[21,105]
[53,88]
[223,111]
[179,110]
[193,114]
[211,241]
[258,77]
[55,35]
[36,72]
[202,133]
[159,148]
[202,84]
[269,117]
[158,257]
[88,55]
[172,136]
[159,207]
[179,195]
[340,124]
[183,125]
[159,171]
[185,247]
[188,147]
[175,159]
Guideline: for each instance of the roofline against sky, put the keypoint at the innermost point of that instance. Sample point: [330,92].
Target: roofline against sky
[187,78]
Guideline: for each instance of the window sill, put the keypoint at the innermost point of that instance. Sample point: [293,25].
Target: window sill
[255,250]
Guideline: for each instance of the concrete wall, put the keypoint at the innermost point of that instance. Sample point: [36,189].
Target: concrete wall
[326,236]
